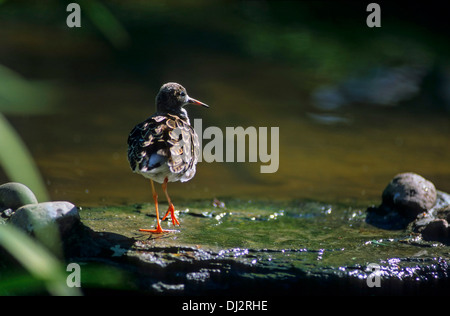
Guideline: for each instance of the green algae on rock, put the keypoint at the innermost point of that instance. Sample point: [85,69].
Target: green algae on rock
[32,217]
[260,246]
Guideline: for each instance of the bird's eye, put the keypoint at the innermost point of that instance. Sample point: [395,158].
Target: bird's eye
[182,94]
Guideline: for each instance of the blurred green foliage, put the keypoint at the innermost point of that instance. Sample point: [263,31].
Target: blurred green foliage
[17,95]
[106,23]
[42,265]
[20,96]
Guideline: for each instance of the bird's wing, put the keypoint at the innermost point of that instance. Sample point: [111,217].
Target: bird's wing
[147,145]
[182,149]
[163,139]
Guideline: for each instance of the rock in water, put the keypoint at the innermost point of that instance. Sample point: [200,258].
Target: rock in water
[437,230]
[410,194]
[433,226]
[14,195]
[405,197]
[33,217]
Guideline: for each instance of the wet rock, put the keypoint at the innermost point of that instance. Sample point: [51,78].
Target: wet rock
[33,217]
[7,213]
[412,202]
[405,197]
[410,194]
[234,254]
[436,230]
[442,207]
[433,226]
[14,195]
[161,287]
[422,220]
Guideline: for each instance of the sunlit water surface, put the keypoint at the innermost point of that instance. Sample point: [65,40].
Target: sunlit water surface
[81,149]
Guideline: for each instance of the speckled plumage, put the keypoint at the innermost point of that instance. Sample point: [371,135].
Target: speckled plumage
[165,144]
[165,147]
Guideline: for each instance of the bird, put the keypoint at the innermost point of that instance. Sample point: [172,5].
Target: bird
[165,147]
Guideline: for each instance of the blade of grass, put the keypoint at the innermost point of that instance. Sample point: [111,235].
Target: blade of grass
[17,161]
[18,283]
[106,22]
[19,96]
[36,259]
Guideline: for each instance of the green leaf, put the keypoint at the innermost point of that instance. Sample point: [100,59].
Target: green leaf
[106,22]
[36,259]
[17,161]
[18,95]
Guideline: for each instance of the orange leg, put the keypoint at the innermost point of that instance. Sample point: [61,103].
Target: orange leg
[158,229]
[171,209]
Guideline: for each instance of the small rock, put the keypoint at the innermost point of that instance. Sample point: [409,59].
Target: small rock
[410,194]
[161,287]
[423,220]
[32,217]
[437,230]
[198,277]
[218,204]
[433,226]
[14,195]
[442,206]
[7,213]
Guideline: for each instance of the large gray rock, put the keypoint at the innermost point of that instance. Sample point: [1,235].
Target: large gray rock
[14,195]
[410,194]
[34,217]
[405,197]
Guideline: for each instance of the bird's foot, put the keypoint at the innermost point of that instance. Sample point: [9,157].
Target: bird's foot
[171,210]
[158,230]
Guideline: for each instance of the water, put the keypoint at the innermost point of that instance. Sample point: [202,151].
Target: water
[254,68]
[81,151]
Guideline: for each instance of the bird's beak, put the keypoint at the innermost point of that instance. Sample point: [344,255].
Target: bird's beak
[196,102]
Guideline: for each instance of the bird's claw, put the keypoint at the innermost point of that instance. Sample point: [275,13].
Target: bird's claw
[171,210]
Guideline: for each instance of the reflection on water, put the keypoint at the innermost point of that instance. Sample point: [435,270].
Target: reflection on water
[335,145]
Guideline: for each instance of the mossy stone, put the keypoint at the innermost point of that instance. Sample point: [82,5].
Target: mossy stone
[38,216]
[14,195]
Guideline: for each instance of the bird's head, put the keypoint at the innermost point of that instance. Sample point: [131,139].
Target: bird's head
[172,97]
